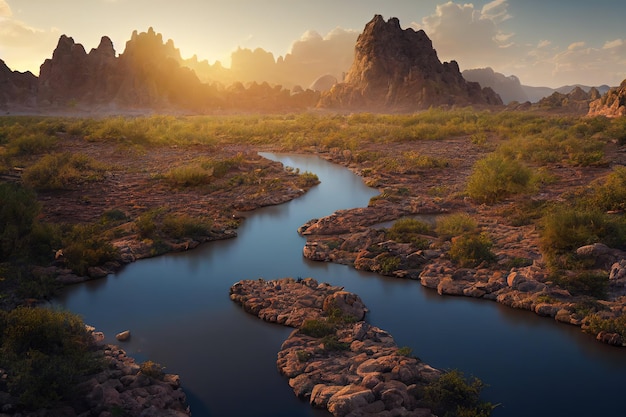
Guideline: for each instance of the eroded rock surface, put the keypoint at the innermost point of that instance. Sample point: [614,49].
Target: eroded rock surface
[357,369]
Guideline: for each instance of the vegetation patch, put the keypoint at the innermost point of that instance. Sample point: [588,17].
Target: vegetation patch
[62,171]
[495,178]
[472,249]
[452,395]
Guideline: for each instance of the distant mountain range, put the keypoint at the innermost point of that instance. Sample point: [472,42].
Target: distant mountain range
[511,89]
[389,69]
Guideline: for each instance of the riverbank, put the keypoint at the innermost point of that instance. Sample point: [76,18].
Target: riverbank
[122,388]
[519,275]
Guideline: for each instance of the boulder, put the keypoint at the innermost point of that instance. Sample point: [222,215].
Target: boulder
[123,336]
[348,303]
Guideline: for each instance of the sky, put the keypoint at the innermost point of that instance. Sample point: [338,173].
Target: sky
[543,42]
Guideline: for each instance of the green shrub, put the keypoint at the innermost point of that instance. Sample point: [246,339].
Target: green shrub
[388,263]
[303,355]
[182,225]
[45,353]
[332,343]
[588,283]
[84,246]
[455,225]
[307,180]
[62,170]
[470,250]
[597,323]
[609,194]
[453,396]
[317,328]
[409,230]
[151,369]
[566,228]
[405,351]
[495,178]
[18,211]
[31,144]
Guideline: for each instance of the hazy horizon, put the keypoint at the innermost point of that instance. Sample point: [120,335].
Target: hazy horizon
[555,44]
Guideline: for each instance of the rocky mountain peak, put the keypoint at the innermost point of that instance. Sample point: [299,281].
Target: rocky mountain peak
[611,104]
[398,69]
[105,49]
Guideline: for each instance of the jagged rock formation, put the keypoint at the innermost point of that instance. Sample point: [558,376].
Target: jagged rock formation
[398,70]
[612,104]
[576,101]
[508,88]
[16,88]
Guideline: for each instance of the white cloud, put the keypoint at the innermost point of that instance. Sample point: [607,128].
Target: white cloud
[477,38]
[22,47]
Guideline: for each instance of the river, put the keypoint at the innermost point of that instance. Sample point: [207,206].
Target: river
[180,315]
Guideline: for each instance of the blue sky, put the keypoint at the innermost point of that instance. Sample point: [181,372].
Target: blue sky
[543,42]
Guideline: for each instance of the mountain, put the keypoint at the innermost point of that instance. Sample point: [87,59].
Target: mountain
[148,76]
[576,101]
[508,88]
[398,70]
[17,89]
[611,104]
[511,89]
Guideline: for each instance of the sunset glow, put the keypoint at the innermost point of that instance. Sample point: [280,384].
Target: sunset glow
[543,43]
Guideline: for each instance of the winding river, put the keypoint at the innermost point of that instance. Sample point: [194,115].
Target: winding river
[178,310]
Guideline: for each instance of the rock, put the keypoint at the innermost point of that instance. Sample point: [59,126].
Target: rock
[348,399]
[123,336]
[396,69]
[348,303]
[611,104]
[618,270]
[604,256]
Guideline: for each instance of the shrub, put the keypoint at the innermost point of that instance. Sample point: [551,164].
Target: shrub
[18,211]
[588,283]
[495,178]
[31,144]
[409,230]
[317,328]
[84,245]
[331,342]
[388,263]
[61,170]
[303,355]
[609,194]
[453,396]
[151,369]
[470,250]
[565,229]
[182,225]
[45,353]
[307,180]
[597,323]
[455,225]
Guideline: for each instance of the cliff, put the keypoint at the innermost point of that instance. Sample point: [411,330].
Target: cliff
[398,70]
[611,104]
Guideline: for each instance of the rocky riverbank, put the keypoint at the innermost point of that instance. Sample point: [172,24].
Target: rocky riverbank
[123,388]
[517,278]
[334,359]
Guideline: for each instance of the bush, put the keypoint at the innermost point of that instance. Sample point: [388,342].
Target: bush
[317,328]
[45,353]
[453,396]
[470,250]
[18,211]
[495,178]
[59,171]
[588,283]
[411,231]
[84,246]
[182,225]
[151,369]
[565,229]
[307,180]
[597,323]
[455,225]
[609,194]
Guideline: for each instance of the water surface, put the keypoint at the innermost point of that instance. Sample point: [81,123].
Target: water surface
[180,315]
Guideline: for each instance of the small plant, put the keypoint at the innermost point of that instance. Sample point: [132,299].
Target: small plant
[455,225]
[470,250]
[317,328]
[454,396]
[332,343]
[586,283]
[405,351]
[151,369]
[596,323]
[307,180]
[303,355]
[388,263]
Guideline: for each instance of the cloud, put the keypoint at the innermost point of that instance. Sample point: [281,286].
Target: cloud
[476,38]
[23,47]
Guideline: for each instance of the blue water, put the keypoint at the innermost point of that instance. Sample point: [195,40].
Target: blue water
[180,315]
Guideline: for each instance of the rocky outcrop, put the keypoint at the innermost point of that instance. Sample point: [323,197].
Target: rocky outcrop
[355,368]
[398,70]
[17,89]
[576,101]
[612,104]
[122,388]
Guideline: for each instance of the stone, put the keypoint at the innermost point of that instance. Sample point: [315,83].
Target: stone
[123,336]
[611,104]
[348,303]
